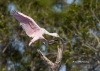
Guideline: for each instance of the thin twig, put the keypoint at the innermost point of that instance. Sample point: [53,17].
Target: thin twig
[90,47]
[5,48]
[78,56]
[97,40]
[94,16]
[74,25]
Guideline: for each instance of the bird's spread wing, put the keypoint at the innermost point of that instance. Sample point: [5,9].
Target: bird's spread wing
[27,23]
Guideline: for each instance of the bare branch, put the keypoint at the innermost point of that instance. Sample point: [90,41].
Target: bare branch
[59,56]
[90,47]
[74,25]
[50,63]
[54,66]
[78,56]
[5,48]
[97,40]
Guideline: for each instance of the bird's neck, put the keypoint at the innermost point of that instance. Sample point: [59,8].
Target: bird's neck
[51,34]
[46,32]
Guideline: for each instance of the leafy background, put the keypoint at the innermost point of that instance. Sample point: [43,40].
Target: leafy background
[77,22]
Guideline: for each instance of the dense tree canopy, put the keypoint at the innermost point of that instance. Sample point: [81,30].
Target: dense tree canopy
[77,23]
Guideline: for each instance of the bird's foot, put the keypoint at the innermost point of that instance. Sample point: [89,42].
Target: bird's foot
[45,42]
[29,43]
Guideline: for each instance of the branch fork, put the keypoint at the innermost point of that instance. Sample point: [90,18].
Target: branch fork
[56,65]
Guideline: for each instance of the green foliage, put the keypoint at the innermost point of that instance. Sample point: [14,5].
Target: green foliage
[74,24]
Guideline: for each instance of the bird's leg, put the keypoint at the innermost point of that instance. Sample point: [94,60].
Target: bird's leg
[45,42]
[33,40]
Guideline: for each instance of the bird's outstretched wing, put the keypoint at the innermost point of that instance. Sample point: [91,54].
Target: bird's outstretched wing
[27,23]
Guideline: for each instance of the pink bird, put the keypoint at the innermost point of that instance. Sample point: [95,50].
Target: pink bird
[31,28]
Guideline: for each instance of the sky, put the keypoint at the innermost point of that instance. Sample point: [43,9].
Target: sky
[69,1]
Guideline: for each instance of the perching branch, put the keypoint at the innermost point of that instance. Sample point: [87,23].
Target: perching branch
[53,66]
[50,63]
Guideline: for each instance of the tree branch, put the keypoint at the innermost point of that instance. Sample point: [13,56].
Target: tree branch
[59,56]
[94,16]
[73,57]
[54,66]
[5,48]
[90,47]
[95,36]
[50,63]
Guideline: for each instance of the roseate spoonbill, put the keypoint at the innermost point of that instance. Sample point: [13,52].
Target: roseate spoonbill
[31,28]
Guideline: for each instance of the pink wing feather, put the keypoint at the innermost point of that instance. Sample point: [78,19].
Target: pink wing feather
[27,23]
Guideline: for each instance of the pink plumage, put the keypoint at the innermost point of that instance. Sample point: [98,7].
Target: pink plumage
[31,28]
